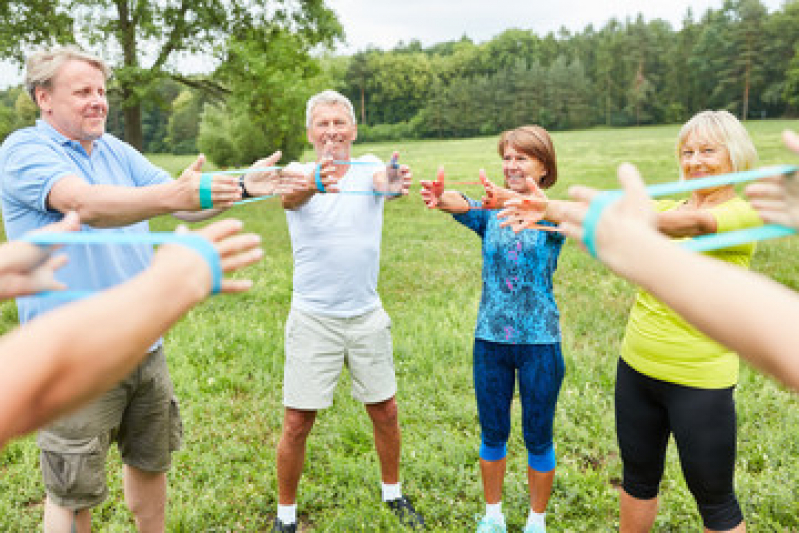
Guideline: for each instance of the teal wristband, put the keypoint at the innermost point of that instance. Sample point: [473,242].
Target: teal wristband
[195,242]
[592,216]
[318,178]
[206,196]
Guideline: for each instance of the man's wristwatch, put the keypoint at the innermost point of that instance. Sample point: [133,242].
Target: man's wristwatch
[244,192]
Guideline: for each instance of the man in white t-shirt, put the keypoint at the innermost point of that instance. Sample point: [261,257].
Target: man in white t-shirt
[336,316]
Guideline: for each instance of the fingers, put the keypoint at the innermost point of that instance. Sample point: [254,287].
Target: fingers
[631,182]
[271,160]
[198,163]
[220,229]
[582,193]
[232,286]
[791,140]
[440,176]
[225,190]
[484,179]
[238,251]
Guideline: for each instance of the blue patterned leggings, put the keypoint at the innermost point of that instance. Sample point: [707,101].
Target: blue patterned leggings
[539,368]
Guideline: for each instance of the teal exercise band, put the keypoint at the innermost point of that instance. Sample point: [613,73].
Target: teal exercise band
[206,179]
[704,242]
[206,195]
[195,242]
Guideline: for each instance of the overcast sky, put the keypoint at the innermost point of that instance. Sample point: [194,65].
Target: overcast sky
[384,23]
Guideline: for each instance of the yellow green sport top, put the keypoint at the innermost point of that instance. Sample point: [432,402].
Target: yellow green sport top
[661,345]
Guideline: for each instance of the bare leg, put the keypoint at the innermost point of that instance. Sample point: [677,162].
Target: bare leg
[59,519]
[636,516]
[387,438]
[540,488]
[493,474]
[291,452]
[145,494]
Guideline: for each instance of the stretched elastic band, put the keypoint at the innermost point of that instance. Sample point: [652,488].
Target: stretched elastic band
[705,242]
[318,178]
[206,196]
[592,216]
[195,242]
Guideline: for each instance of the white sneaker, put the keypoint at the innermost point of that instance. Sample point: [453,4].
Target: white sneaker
[489,524]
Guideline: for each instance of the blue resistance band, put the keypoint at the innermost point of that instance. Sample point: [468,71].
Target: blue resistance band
[206,180]
[703,242]
[195,242]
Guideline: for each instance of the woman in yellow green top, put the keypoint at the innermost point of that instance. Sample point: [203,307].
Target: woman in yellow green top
[672,379]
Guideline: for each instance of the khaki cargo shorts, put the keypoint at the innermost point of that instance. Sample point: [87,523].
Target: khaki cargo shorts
[317,347]
[140,414]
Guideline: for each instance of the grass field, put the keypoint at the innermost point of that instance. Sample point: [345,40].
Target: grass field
[226,360]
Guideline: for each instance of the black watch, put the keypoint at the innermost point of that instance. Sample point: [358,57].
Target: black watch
[244,192]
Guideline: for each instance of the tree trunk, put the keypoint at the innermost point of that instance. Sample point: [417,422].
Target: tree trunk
[133,129]
[745,112]
[131,103]
[363,106]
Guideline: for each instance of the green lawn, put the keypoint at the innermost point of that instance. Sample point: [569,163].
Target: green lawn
[226,359]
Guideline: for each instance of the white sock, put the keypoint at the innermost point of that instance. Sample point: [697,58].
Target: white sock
[390,492]
[494,510]
[287,513]
[537,518]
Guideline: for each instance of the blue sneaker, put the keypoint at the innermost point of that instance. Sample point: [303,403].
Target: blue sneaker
[534,528]
[489,524]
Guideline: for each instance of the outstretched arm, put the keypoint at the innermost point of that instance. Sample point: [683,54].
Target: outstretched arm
[758,317]
[777,198]
[435,197]
[61,359]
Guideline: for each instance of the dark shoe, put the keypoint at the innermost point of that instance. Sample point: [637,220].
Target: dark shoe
[280,527]
[408,516]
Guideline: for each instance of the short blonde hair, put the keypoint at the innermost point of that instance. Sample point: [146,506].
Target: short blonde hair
[328,97]
[41,67]
[723,128]
[533,141]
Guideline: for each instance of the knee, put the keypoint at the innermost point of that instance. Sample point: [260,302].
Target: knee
[297,425]
[384,414]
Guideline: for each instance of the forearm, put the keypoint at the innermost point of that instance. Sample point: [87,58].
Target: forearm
[555,211]
[198,216]
[295,200]
[751,314]
[452,202]
[71,354]
[686,223]
[105,206]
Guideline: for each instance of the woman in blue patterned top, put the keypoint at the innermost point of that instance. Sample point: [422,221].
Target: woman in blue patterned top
[518,331]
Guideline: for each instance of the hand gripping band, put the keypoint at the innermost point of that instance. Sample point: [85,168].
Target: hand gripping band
[195,242]
[206,196]
[702,243]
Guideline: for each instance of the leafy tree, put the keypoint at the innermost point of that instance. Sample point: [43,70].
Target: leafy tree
[145,40]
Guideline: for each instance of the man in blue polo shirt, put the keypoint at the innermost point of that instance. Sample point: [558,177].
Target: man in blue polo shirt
[66,162]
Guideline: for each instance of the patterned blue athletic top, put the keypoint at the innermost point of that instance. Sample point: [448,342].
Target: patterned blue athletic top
[517,305]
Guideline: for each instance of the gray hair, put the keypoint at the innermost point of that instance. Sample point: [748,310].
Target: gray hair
[41,67]
[328,97]
[723,128]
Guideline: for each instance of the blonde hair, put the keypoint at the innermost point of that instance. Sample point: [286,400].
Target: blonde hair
[533,141]
[43,66]
[328,97]
[723,128]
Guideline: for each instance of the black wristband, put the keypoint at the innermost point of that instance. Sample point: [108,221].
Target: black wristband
[244,192]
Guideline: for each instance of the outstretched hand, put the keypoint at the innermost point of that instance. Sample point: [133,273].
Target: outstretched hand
[275,181]
[236,250]
[431,191]
[495,196]
[225,190]
[27,269]
[776,198]
[526,212]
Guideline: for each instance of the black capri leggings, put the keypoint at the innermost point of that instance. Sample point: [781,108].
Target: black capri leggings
[703,423]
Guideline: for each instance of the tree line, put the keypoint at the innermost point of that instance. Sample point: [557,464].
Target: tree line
[739,57]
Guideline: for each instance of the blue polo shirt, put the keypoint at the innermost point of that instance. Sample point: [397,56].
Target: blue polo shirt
[517,305]
[32,160]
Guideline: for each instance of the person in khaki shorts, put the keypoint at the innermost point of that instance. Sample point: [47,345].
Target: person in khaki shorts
[336,316]
[66,162]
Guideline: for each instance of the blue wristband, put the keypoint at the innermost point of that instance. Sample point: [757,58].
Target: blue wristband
[195,242]
[206,196]
[592,216]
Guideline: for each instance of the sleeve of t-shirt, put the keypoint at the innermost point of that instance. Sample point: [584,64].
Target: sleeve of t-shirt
[734,215]
[476,218]
[143,172]
[31,170]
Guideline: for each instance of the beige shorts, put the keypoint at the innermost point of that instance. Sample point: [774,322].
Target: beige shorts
[317,347]
[140,414]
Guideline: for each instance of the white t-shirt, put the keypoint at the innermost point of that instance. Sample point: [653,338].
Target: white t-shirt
[335,239]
